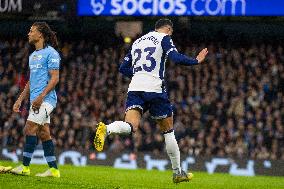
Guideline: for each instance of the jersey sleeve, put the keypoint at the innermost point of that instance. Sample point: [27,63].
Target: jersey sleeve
[168,45]
[53,61]
[171,51]
[126,66]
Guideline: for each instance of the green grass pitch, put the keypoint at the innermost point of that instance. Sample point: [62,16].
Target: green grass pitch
[107,177]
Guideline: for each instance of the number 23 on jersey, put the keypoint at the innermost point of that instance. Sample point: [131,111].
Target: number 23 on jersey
[140,64]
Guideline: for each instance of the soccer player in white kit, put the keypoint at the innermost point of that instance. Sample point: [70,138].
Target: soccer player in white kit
[145,65]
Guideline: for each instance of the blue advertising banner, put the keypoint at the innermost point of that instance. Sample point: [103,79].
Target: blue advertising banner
[181,7]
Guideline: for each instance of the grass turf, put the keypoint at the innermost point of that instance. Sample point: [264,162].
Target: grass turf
[107,177]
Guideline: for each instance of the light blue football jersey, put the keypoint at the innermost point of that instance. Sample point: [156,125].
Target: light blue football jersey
[40,62]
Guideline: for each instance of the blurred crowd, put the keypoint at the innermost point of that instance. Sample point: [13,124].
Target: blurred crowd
[232,105]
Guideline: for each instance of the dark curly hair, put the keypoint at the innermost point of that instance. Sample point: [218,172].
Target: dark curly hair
[48,35]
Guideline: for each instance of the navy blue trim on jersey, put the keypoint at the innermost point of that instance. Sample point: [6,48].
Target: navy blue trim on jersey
[162,66]
[162,71]
[167,44]
[126,66]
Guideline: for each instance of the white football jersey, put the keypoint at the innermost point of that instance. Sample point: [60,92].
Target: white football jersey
[148,62]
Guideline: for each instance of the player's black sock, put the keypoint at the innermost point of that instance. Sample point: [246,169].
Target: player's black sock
[48,149]
[29,148]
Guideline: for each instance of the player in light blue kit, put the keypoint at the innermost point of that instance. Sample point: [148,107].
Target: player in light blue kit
[145,65]
[44,75]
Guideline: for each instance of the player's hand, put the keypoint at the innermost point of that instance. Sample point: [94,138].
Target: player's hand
[37,103]
[17,105]
[201,56]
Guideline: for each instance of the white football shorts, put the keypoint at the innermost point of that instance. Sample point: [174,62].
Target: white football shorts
[41,116]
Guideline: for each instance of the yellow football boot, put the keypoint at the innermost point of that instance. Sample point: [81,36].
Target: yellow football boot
[182,177]
[51,172]
[21,170]
[101,134]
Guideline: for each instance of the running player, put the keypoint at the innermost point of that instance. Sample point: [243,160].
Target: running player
[145,64]
[44,75]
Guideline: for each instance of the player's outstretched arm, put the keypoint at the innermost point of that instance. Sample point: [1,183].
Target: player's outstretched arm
[126,66]
[178,58]
[182,59]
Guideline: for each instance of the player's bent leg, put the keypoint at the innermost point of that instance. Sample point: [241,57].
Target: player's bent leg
[166,126]
[133,117]
[131,123]
[30,131]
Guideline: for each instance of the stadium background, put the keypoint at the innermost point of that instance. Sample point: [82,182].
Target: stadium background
[228,112]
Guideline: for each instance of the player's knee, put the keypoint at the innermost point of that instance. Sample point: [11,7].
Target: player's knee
[44,136]
[165,124]
[29,130]
[133,124]
[167,129]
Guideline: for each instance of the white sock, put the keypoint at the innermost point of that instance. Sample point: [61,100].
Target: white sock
[118,127]
[173,151]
